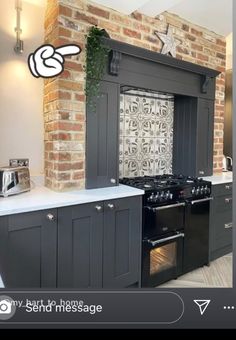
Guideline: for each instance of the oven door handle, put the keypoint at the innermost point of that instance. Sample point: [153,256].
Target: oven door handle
[154,243]
[168,206]
[202,200]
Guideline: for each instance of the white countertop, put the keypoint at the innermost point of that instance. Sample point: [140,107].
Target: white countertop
[224,177]
[40,198]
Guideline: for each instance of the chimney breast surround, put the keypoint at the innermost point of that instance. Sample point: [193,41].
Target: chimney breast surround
[68,21]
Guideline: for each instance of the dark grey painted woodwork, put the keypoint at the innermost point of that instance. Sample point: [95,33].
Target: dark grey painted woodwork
[29,241]
[137,67]
[80,242]
[145,54]
[205,132]
[102,138]
[158,77]
[193,136]
[228,114]
[222,189]
[122,242]
[220,219]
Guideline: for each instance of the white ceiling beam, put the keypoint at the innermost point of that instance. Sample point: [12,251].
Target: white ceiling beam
[155,7]
[123,6]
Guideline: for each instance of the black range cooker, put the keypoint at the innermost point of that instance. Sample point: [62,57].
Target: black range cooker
[175,225]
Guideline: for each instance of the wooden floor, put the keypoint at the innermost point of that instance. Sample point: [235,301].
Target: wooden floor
[218,274]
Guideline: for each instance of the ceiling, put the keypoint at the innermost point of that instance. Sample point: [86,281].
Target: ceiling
[215,15]
[40,3]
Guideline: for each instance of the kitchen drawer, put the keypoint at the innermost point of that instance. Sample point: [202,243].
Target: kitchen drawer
[222,204]
[223,229]
[222,189]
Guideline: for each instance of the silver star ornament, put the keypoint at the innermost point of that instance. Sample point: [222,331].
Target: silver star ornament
[170,43]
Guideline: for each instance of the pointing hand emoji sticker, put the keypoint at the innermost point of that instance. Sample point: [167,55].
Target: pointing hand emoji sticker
[48,61]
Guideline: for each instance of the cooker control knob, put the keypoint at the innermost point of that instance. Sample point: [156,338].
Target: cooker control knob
[202,190]
[151,197]
[198,190]
[167,195]
[171,196]
[156,197]
[162,194]
[193,191]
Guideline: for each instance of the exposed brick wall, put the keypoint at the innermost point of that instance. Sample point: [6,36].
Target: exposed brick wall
[64,101]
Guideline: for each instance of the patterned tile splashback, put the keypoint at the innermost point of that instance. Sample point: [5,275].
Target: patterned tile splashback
[146,134]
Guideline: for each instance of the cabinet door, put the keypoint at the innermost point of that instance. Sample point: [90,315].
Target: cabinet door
[80,233]
[102,138]
[122,242]
[221,226]
[205,131]
[28,245]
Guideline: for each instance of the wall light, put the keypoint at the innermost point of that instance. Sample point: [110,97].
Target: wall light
[19,46]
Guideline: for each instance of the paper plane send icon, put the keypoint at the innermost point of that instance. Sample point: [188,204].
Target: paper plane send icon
[202,304]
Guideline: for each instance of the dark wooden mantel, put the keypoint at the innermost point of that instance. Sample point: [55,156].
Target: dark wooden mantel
[145,54]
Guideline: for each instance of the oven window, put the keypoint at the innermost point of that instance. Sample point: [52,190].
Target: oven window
[163,258]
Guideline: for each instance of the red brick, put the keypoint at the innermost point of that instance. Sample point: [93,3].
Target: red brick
[69,166]
[72,65]
[64,32]
[121,19]
[221,56]
[70,85]
[190,37]
[183,50]
[202,57]
[196,32]
[140,27]
[98,11]
[66,11]
[109,26]
[221,42]
[197,47]
[88,19]
[60,136]
[64,95]
[80,97]
[65,75]
[78,175]
[136,15]
[131,33]
[185,27]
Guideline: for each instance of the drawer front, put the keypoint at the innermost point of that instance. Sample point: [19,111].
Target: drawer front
[221,221]
[222,189]
[222,204]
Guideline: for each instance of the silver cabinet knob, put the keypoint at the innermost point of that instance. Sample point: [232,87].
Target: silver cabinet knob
[50,217]
[228,200]
[111,206]
[113,181]
[228,187]
[201,172]
[98,208]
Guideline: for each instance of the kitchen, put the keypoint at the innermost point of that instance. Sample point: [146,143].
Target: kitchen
[155,115]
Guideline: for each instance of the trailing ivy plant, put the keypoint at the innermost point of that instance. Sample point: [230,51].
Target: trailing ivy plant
[97,55]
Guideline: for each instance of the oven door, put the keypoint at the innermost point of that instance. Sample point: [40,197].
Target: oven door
[196,244]
[162,259]
[163,219]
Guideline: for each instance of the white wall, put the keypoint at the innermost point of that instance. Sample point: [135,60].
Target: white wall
[229,53]
[21,95]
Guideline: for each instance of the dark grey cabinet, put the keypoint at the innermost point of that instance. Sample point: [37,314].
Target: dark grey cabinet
[95,245]
[80,241]
[221,220]
[99,244]
[193,136]
[102,144]
[28,254]
[122,242]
